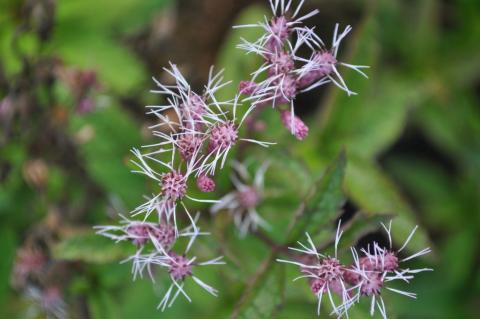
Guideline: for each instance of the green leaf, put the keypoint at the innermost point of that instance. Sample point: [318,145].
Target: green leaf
[435,192]
[7,247]
[453,127]
[92,248]
[107,153]
[263,298]
[87,39]
[325,202]
[371,189]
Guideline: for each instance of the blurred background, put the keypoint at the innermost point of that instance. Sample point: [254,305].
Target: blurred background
[74,79]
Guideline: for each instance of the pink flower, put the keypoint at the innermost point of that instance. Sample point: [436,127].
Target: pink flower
[188,145]
[174,185]
[322,66]
[325,274]
[367,277]
[205,184]
[179,267]
[288,74]
[242,203]
[372,273]
[294,125]
[223,136]
[141,232]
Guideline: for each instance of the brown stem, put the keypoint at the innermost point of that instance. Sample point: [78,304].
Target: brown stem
[267,240]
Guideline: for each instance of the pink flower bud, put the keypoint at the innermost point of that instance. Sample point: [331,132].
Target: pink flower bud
[188,144]
[279,33]
[320,66]
[282,63]
[179,267]
[165,234]
[295,125]
[205,184]
[223,136]
[174,185]
[248,87]
[248,198]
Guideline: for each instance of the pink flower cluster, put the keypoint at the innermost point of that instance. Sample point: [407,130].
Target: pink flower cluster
[372,272]
[195,135]
[287,73]
[197,131]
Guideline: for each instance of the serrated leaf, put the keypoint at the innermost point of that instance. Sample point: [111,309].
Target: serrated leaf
[325,202]
[92,248]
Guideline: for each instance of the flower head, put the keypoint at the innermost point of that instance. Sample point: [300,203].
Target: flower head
[180,268]
[242,202]
[294,124]
[322,66]
[325,274]
[188,145]
[205,184]
[367,277]
[140,232]
[174,185]
[287,73]
[223,136]
[378,267]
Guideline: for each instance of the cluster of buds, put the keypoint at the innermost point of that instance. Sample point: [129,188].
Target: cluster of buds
[196,133]
[371,272]
[288,74]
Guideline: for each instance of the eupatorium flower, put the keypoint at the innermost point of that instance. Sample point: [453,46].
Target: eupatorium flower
[194,134]
[243,201]
[193,144]
[172,178]
[287,73]
[139,232]
[325,274]
[179,268]
[376,267]
[370,273]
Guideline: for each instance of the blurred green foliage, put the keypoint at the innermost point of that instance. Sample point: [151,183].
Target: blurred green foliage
[410,145]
